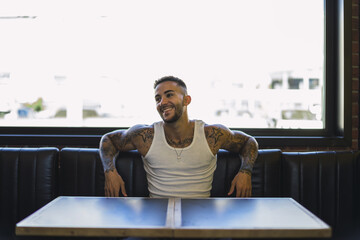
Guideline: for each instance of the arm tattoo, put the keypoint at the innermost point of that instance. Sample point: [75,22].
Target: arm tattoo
[108,153]
[145,134]
[216,134]
[249,154]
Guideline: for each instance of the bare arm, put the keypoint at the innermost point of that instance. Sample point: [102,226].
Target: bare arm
[110,145]
[239,142]
[245,145]
[248,150]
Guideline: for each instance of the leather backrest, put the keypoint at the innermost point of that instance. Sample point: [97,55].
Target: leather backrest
[27,181]
[130,167]
[323,182]
[81,172]
[266,176]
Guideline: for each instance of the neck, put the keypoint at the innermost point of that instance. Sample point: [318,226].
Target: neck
[178,129]
[179,134]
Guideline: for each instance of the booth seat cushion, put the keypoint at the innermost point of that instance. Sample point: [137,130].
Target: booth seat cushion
[324,182]
[266,178]
[81,173]
[27,182]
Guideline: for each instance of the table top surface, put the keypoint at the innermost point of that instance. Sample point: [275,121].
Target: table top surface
[160,217]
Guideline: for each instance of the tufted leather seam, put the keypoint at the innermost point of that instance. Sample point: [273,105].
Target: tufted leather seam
[95,176]
[317,164]
[337,185]
[226,179]
[16,214]
[263,173]
[320,174]
[76,171]
[36,177]
[301,177]
[93,169]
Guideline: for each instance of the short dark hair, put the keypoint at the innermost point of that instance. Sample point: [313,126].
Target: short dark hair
[178,81]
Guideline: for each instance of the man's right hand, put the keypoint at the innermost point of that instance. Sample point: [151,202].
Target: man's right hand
[114,184]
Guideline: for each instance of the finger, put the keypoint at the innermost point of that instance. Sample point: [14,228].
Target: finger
[123,191]
[248,192]
[113,191]
[238,192]
[231,189]
[108,191]
[122,188]
[242,192]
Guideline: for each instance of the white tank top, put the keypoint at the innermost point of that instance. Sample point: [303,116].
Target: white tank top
[190,176]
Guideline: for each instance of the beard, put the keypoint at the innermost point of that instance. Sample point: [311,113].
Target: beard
[178,113]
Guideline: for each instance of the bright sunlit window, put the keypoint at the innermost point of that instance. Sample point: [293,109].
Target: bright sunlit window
[247,64]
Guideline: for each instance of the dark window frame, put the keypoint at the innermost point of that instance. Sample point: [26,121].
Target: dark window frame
[337,131]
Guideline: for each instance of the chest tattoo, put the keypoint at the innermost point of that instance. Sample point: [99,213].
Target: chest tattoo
[180,144]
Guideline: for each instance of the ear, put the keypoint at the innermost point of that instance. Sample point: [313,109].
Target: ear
[187,100]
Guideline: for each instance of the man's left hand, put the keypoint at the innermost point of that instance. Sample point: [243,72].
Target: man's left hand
[242,183]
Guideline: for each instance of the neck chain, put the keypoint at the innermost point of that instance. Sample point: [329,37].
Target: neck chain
[178,154]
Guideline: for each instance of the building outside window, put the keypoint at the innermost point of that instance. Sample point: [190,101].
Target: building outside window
[248,64]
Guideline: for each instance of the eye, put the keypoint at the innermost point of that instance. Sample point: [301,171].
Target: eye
[169,95]
[157,99]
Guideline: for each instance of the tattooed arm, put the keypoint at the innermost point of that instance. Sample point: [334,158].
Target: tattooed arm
[247,147]
[110,144]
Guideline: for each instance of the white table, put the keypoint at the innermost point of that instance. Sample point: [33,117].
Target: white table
[173,217]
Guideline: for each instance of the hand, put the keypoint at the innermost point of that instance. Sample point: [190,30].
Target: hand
[113,184]
[242,183]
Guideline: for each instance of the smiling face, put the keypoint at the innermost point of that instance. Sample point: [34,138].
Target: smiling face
[171,101]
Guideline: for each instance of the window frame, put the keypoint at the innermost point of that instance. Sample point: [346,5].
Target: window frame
[338,110]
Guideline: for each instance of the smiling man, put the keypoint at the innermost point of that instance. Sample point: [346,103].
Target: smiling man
[179,154]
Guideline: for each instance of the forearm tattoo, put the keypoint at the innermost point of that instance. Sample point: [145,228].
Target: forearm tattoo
[249,154]
[108,152]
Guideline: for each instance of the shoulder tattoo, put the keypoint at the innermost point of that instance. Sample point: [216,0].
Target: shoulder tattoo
[215,134]
[215,137]
[144,134]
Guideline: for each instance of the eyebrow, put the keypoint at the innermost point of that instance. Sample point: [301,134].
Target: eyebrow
[164,92]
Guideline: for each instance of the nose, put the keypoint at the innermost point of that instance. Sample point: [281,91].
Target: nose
[163,101]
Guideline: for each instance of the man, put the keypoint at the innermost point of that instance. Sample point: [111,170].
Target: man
[179,154]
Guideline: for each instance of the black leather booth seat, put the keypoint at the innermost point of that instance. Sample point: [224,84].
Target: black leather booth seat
[28,180]
[327,183]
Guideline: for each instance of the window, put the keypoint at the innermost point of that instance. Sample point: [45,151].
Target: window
[88,66]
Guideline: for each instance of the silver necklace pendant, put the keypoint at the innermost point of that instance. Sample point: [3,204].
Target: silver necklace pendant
[178,155]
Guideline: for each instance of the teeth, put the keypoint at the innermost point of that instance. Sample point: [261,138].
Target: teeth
[166,109]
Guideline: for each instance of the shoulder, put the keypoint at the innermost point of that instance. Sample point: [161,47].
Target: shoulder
[216,130]
[216,135]
[141,131]
[220,136]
